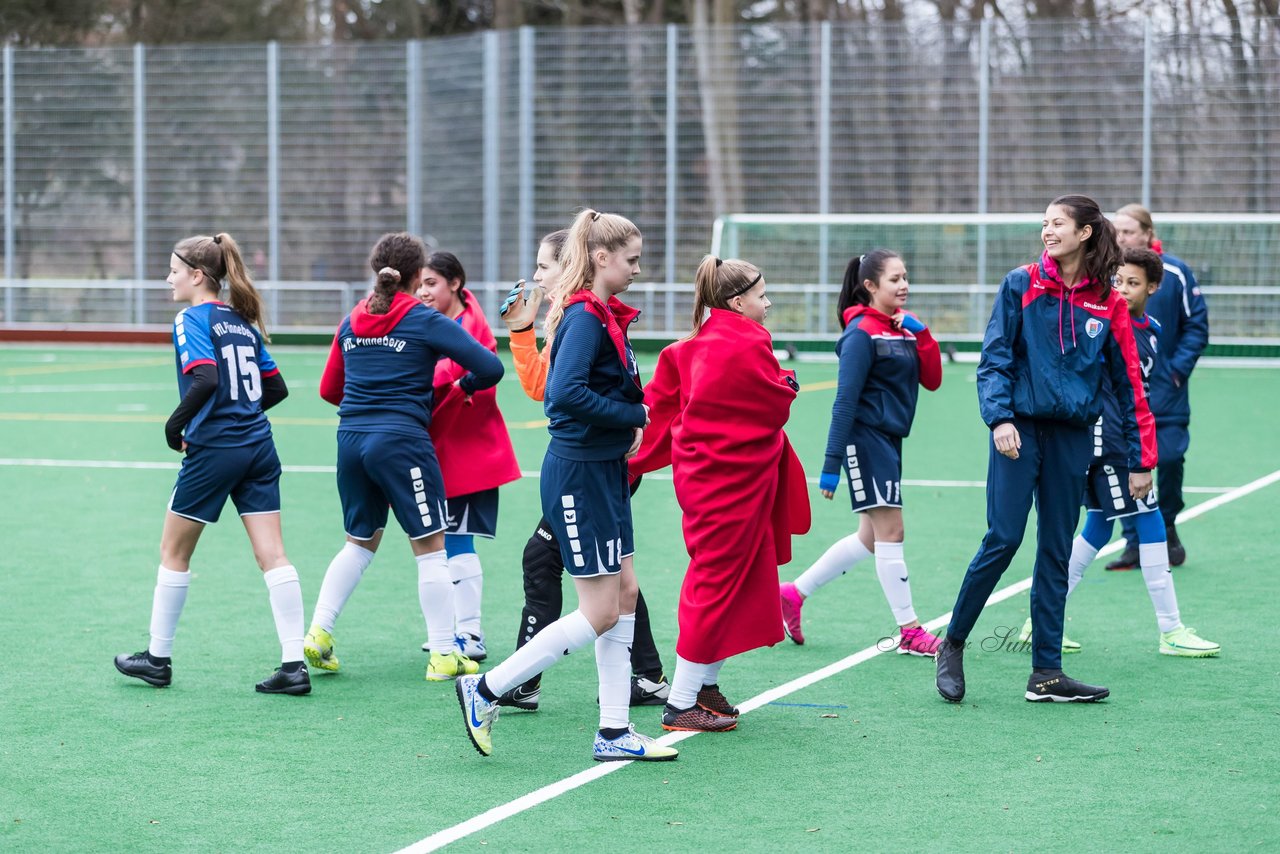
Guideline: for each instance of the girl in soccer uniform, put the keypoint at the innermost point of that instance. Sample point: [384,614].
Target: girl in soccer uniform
[885,353]
[227,380]
[542,566]
[1106,500]
[1183,316]
[474,449]
[1058,332]
[718,402]
[594,403]
[380,374]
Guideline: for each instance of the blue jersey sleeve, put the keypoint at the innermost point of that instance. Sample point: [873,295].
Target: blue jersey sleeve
[266,364]
[451,340]
[192,340]
[856,355]
[995,366]
[1195,326]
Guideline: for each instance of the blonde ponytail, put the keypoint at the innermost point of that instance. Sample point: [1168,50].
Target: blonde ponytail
[590,232]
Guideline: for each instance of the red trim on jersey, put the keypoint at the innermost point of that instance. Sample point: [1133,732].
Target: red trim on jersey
[334,379]
[1122,331]
[616,317]
[272,372]
[187,367]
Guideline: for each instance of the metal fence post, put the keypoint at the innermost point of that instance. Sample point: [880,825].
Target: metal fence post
[491,167]
[1146,112]
[139,181]
[525,226]
[824,171]
[10,263]
[984,154]
[673,166]
[412,153]
[273,178]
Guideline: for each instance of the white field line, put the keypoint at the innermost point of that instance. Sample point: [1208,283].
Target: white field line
[504,811]
[294,469]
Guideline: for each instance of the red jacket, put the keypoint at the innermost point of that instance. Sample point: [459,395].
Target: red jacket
[471,438]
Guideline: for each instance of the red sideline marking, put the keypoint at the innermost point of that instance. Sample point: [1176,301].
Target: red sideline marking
[66,334]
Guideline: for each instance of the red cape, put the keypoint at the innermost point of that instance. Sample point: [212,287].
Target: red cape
[471,440]
[718,404]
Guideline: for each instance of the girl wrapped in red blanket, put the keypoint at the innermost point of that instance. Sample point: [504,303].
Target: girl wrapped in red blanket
[718,402]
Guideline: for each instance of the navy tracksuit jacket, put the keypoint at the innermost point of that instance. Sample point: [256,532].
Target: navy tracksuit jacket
[1046,354]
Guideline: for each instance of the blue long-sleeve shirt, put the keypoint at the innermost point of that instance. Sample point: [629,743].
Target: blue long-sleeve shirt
[1183,315]
[592,403]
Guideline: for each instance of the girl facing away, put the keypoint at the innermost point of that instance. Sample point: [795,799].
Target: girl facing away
[380,375]
[227,380]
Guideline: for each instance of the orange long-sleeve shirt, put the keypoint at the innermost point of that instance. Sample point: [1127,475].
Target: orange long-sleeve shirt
[531,365]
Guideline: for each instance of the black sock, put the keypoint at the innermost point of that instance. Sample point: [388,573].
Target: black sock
[291,666]
[613,732]
[155,659]
[483,690]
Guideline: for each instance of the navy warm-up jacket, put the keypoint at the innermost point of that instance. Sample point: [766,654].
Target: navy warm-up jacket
[1048,350]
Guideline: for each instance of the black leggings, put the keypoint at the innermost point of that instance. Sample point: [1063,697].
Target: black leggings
[544,600]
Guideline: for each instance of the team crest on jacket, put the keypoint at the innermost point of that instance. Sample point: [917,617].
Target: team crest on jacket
[1092,327]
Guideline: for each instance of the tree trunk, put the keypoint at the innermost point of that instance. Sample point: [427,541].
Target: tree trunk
[717,91]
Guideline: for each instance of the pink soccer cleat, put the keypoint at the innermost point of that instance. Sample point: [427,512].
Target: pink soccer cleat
[792,602]
[917,641]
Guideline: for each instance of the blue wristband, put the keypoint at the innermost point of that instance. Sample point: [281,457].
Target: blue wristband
[912,324]
[829,481]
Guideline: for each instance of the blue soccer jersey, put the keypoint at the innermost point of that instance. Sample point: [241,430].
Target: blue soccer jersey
[212,333]
[1109,444]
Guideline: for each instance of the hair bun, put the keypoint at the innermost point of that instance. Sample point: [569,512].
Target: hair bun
[389,273]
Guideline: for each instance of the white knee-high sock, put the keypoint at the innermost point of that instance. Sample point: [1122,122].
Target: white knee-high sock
[1154,558]
[712,676]
[687,682]
[569,633]
[891,569]
[613,667]
[435,595]
[835,562]
[340,580]
[166,607]
[1082,554]
[285,594]
[468,584]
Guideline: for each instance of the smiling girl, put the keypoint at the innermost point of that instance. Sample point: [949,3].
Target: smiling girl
[473,445]
[1058,331]
[886,354]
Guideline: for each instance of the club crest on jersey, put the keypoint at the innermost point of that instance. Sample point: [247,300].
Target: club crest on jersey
[1092,327]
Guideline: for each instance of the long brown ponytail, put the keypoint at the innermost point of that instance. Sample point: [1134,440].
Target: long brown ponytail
[716,282]
[218,257]
[396,258]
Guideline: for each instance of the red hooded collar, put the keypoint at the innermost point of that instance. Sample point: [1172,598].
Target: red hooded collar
[882,320]
[616,317]
[368,325]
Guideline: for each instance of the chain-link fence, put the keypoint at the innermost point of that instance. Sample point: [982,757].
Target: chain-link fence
[307,153]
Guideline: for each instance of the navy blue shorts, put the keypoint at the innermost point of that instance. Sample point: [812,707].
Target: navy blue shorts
[377,470]
[249,475]
[873,464]
[474,514]
[1107,491]
[587,505]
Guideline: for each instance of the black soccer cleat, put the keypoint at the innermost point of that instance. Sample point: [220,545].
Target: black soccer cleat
[141,666]
[1177,554]
[524,697]
[1054,686]
[1128,560]
[283,681]
[649,692]
[950,678]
